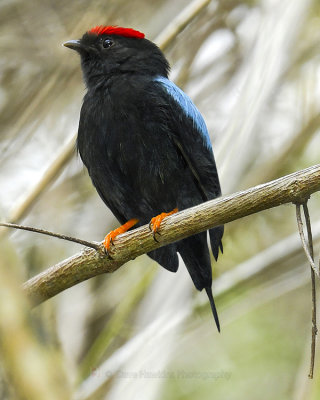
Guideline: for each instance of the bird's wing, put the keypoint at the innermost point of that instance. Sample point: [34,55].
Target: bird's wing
[191,136]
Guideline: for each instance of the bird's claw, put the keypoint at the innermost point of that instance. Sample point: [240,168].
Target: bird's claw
[154,224]
[108,240]
[107,253]
[154,233]
[107,243]
[152,229]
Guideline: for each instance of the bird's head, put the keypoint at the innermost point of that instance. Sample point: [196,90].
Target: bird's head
[111,50]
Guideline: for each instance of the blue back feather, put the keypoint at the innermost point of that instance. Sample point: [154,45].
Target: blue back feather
[188,107]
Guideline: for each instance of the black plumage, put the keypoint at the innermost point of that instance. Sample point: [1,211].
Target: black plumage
[144,143]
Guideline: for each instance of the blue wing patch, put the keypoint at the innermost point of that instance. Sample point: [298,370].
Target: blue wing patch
[188,107]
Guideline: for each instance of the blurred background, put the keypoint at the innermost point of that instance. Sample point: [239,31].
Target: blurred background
[252,68]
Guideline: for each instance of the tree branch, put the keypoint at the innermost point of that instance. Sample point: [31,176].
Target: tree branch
[293,188]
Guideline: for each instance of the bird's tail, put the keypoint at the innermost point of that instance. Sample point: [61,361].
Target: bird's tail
[213,307]
[195,253]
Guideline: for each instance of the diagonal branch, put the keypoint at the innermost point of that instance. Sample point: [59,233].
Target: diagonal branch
[166,37]
[47,178]
[293,188]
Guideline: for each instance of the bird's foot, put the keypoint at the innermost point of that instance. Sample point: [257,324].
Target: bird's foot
[108,240]
[155,222]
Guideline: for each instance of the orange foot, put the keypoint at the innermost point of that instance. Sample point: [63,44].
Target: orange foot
[108,240]
[156,222]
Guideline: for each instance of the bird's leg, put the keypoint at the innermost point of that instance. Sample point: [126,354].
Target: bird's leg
[108,240]
[155,222]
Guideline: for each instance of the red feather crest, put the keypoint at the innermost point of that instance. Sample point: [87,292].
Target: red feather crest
[116,30]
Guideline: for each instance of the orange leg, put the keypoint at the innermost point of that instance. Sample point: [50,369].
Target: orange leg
[108,240]
[156,222]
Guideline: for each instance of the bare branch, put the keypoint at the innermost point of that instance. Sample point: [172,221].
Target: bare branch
[308,249]
[295,188]
[93,245]
[314,329]
[305,245]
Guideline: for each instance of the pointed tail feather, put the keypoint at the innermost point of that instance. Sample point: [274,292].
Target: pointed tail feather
[195,253]
[215,235]
[213,307]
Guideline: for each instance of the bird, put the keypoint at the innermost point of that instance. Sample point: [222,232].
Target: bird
[145,145]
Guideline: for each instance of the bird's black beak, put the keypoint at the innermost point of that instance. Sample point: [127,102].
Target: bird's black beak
[73,45]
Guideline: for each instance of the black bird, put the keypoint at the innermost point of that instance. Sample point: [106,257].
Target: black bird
[145,144]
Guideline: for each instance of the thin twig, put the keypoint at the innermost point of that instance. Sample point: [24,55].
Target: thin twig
[93,245]
[303,240]
[314,329]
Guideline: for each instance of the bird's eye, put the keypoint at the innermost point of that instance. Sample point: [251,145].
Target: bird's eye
[107,43]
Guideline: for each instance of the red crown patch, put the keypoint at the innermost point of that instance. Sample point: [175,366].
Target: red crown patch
[116,30]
